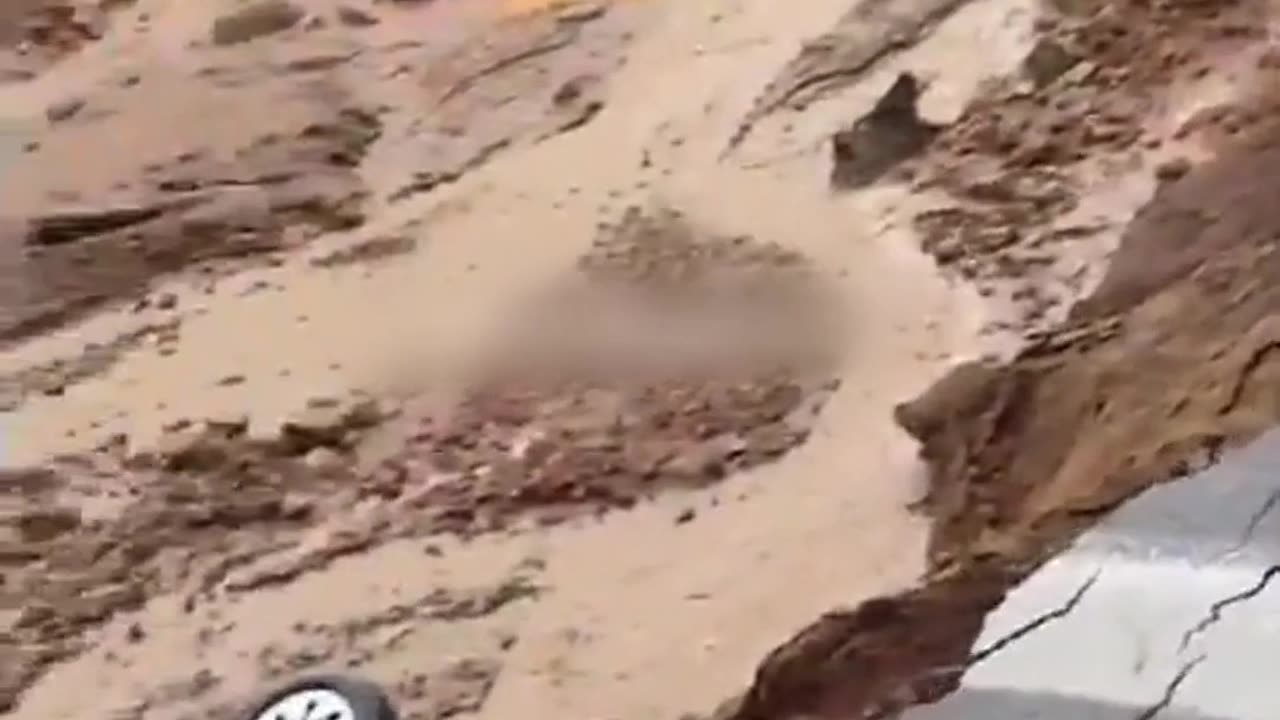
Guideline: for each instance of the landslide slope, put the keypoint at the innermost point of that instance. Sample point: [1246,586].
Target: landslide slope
[1170,361]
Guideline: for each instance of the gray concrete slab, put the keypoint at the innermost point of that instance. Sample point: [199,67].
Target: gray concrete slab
[1011,704]
[1167,610]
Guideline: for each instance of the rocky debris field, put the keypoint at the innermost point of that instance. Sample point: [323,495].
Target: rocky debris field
[89,537]
[1116,224]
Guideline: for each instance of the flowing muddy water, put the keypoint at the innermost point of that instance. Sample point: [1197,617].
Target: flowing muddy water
[655,611]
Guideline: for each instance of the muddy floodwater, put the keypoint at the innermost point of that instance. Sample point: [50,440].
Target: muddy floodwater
[627,359]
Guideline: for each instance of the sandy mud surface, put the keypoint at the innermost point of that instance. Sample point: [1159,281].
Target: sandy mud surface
[540,359]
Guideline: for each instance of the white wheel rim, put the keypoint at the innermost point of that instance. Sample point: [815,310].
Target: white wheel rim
[314,704]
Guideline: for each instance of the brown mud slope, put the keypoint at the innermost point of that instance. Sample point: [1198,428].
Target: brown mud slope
[1170,361]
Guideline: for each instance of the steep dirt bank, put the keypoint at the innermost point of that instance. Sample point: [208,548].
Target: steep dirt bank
[1168,363]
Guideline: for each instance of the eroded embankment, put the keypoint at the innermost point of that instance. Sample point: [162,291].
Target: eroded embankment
[1172,359]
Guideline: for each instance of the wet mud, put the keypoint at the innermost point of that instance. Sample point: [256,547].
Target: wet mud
[1164,363]
[529,442]
[1167,364]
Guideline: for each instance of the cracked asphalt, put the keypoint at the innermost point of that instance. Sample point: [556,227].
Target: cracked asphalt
[1168,609]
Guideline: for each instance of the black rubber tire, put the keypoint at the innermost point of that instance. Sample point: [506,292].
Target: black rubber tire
[368,701]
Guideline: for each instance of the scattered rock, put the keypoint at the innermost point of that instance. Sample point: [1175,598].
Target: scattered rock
[1171,170]
[64,110]
[69,226]
[323,459]
[257,19]
[368,251]
[190,449]
[554,443]
[353,16]
[37,526]
[891,133]
[1047,61]
[461,688]
[328,422]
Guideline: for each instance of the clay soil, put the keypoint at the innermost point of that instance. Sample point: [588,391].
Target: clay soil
[1130,341]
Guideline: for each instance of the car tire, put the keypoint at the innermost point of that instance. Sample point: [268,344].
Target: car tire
[325,697]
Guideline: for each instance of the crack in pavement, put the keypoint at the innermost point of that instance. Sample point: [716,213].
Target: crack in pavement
[1013,636]
[1216,609]
[1035,623]
[1170,690]
[1255,521]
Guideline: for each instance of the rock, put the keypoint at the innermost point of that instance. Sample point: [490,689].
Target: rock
[64,109]
[698,463]
[458,689]
[42,525]
[68,226]
[323,460]
[255,20]
[883,138]
[352,16]
[371,250]
[265,433]
[34,614]
[1171,170]
[1047,62]
[295,508]
[230,424]
[966,386]
[312,428]
[364,413]
[190,449]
